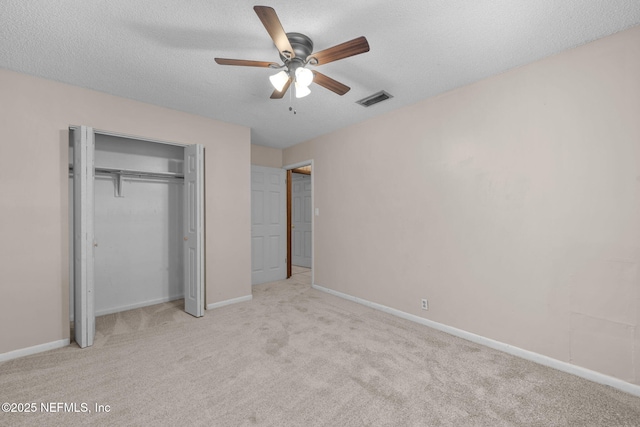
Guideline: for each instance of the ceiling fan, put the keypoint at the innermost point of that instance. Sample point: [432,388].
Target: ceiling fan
[296,53]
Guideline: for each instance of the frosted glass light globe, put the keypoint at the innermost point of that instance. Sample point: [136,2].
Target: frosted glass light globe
[304,76]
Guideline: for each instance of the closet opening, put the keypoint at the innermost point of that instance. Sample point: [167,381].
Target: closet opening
[136,226]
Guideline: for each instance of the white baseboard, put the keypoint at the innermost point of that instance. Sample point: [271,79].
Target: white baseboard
[33,350]
[569,368]
[137,305]
[229,301]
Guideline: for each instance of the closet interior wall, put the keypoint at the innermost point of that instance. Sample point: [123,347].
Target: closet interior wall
[138,224]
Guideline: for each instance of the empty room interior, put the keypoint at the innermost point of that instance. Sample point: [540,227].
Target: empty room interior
[338,213]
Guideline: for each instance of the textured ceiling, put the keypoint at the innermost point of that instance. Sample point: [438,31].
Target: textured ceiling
[161,51]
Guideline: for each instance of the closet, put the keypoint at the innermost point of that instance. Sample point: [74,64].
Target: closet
[136,225]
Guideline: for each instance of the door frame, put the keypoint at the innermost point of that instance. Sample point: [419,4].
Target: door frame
[289,168]
[77,128]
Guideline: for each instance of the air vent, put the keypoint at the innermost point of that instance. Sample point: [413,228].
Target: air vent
[374,99]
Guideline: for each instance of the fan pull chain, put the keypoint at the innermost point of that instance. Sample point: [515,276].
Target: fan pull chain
[291,102]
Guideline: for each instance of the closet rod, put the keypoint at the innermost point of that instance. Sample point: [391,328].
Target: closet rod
[131,172]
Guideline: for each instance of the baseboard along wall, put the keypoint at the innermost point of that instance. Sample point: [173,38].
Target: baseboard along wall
[138,305]
[33,350]
[131,306]
[569,368]
[229,302]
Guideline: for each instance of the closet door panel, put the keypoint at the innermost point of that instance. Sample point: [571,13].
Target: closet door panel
[83,196]
[194,230]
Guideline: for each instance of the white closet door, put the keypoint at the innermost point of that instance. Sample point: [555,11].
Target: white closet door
[268,224]
[194,230]
[83,196]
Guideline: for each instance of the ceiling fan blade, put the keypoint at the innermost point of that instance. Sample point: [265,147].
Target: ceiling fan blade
[271,22]
[329,83]
[279,95]
[343,50]
[245,63]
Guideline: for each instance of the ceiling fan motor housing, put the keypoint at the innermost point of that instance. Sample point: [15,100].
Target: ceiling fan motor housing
[302,47]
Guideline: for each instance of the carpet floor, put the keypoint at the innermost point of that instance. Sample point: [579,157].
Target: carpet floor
[295,356]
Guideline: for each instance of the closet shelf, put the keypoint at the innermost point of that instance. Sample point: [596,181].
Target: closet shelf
[134,173]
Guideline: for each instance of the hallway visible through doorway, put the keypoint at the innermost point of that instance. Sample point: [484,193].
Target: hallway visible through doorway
[301,275]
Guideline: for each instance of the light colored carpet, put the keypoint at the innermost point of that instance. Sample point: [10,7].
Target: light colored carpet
[296,269]
[294,356]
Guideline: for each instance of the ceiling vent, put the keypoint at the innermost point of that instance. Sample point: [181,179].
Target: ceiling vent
[374,99]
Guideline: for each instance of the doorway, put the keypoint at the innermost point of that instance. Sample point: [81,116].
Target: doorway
[300,218]
[136,218]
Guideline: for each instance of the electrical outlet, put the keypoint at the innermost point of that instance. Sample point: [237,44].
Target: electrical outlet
[425,304]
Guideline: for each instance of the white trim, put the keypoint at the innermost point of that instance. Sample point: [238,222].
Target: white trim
[569,368]
[33,350]
[138,305]
[229,302]
[125,136]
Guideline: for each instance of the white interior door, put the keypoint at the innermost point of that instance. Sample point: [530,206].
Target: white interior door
[268,224]
[83,196]
[301,220]
[194,230]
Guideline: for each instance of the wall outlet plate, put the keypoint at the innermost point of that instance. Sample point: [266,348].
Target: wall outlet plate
[425,304]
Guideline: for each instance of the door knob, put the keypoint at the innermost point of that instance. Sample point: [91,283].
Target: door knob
[186,238]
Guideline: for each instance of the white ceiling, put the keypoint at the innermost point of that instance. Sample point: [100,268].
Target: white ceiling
[161,51]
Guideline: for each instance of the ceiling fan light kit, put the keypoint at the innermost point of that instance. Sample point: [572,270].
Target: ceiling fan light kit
[301,90]
[279,80]
[304,76]
[296,53]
